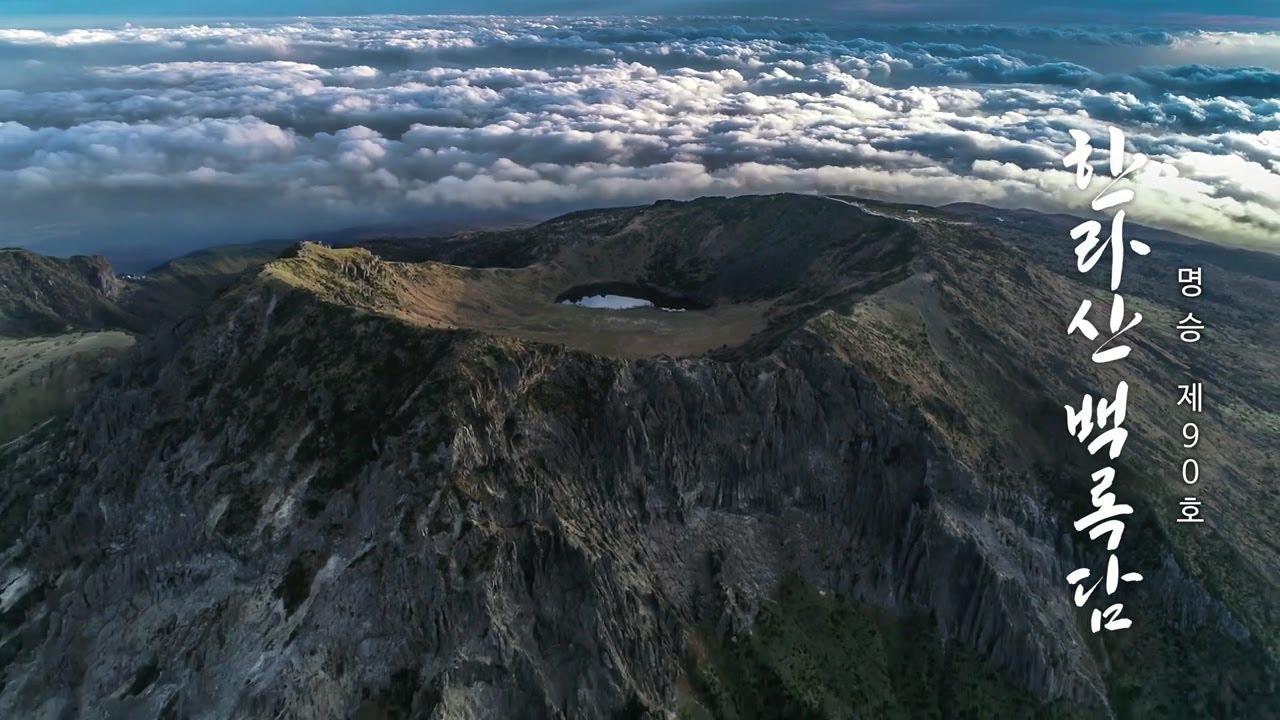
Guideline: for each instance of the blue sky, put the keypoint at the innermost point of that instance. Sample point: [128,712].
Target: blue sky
[1216,12]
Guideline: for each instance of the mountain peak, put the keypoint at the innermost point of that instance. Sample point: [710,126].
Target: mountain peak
[45,295]
[413,461]
[715,275]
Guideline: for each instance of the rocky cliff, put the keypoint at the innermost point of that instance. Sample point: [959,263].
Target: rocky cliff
[44,296]
[357,487]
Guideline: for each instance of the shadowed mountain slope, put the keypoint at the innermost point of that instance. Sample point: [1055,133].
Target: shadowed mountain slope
[45,296]
[61,327]
[838,485]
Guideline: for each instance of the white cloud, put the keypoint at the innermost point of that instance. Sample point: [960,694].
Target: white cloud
[246,130]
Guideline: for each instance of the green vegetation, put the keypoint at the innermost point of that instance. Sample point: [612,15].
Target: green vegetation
[41,377]
[184,286]
[42,295]
[819,657]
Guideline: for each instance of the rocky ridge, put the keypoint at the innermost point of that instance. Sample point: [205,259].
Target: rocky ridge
[317,499]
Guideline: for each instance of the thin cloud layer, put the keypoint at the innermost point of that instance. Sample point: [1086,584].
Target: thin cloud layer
[169,138]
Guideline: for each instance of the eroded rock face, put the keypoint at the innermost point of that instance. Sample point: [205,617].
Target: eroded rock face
[98,274]
[512,531]
[291,508]
[43,296]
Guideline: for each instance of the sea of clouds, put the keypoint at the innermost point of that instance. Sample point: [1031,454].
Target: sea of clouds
[142,141]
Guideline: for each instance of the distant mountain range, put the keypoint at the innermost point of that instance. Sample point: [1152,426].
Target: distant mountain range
[398,479]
